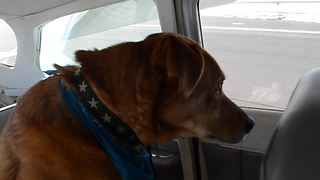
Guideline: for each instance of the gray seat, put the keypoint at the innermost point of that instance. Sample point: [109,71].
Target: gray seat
[294,152]
[4,115]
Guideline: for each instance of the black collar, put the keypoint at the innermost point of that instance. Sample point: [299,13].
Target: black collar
[119,129]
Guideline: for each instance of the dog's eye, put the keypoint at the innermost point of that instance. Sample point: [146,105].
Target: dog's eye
[219,89]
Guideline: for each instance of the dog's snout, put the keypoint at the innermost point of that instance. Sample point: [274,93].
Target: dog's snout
[249,124]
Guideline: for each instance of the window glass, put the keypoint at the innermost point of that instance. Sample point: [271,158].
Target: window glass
[8,45]
[264,47]
[99,28]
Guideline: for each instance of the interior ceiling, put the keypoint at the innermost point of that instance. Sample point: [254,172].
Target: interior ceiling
[26,7]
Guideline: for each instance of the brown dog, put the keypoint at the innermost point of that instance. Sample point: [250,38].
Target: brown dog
[163,87]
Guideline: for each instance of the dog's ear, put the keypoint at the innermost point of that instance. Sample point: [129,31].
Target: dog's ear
[59,68]
[184,62]
[64,70]
[84,57]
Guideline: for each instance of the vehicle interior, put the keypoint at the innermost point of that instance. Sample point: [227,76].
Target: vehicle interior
[267,49]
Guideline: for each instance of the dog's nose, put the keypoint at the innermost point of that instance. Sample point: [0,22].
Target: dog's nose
[248,124]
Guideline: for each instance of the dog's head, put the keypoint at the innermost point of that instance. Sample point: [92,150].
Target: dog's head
[165,87]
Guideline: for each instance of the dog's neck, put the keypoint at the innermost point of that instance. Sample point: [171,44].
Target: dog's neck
[113,134]
[134,100]
[103,116]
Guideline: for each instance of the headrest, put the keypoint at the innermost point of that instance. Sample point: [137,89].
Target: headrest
[294,152]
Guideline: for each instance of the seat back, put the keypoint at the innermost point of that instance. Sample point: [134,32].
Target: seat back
[294,152]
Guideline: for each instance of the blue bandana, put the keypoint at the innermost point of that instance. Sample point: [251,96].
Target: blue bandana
[132,164]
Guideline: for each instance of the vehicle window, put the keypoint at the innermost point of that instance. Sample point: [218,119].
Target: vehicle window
[8,45]
[263,47]
[99,28]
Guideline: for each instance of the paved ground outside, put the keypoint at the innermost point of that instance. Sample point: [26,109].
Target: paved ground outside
[264,47]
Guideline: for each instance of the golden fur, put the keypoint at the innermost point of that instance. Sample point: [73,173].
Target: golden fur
[164,87]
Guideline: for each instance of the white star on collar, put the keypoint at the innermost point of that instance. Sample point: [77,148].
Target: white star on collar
[93,103]
[77,73]
[98,123]
[83,87]
[106,118]
[120,129]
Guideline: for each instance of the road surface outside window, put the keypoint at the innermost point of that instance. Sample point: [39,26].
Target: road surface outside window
[264,48]
[8,45]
